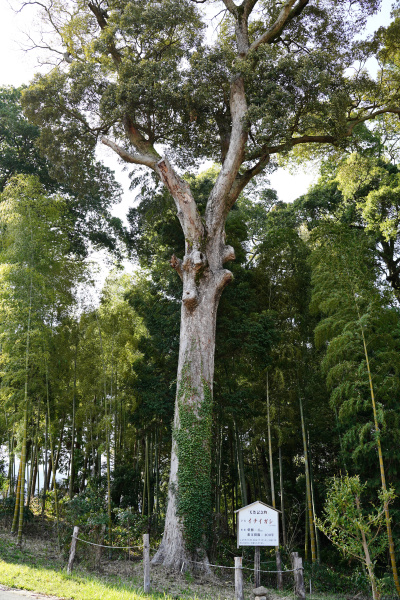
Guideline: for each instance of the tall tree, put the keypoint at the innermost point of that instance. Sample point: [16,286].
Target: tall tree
[141,77]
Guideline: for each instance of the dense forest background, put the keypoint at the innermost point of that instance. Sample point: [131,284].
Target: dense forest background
[307,371]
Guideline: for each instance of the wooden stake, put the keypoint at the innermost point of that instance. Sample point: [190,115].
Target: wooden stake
[146,562]
[99,548]
[238,578]
[297,564]
[72,551]
[257,567]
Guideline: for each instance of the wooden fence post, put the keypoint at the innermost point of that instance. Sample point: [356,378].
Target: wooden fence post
[238,578]
[146,562]
[99,548]
[297,565]
[72,551]
[257,582]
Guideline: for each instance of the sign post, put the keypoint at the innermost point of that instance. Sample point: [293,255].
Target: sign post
[257,525]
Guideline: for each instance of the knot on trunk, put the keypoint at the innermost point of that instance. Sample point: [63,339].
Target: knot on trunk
[228,253]
[190,298]
[224,277]
[176,264]
[194,261]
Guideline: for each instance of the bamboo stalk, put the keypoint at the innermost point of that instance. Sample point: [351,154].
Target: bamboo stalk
[309,499]
[23,464]
[271,470]
[72,458]
[53,462]
[107,436]
[17,497]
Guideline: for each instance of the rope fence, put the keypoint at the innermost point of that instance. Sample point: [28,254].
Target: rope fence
[238,569]
[243,568]
[110,547]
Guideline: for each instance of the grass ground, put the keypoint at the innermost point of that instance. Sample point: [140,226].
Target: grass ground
[39,567]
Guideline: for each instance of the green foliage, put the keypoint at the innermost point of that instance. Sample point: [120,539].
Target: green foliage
[345,520]
[347,293]
[7,507]
[88,509]
[87,196]
[193,440]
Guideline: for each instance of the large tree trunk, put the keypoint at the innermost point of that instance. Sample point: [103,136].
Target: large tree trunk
[186,529]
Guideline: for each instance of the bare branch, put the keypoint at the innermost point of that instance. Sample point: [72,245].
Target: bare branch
[247,6]
[242,180]
[372,115]
[137,159]
[101,20]
[288,12]
[231,6]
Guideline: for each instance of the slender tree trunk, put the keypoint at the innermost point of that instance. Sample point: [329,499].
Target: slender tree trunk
[11,464]
[57,456]
[218,478]
[107,419]
[368,562]
[45,470]
[307,527]
[313,508]
[382,471]
[84,469]
[240,465]
[29,474]
[25,438]
[156,476]
[34,477]
[54,461]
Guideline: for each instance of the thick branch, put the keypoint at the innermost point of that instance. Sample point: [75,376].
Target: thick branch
[188,213]
[247,6]
[100,18]
[137,159]
[217,208]
[287,13]
[242,180]
[137,139]
[372,115]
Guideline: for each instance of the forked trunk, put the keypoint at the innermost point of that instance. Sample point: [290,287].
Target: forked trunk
[185,533]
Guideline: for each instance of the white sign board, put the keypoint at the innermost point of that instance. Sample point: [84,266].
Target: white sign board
[257,525]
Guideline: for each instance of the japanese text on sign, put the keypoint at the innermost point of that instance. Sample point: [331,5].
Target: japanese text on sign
[257,525]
